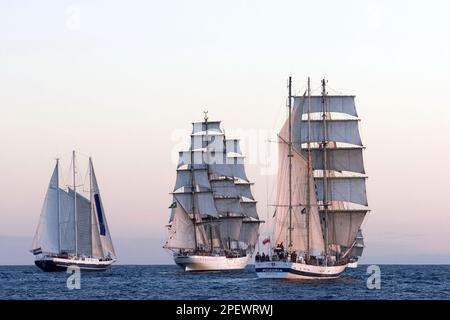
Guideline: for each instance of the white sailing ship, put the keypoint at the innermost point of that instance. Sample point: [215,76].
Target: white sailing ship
[214,223]
[321,192]
[72,229]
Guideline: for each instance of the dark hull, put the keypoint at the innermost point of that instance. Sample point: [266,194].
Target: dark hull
[51,266]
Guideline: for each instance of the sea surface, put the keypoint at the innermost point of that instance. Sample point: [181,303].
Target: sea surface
[169,282]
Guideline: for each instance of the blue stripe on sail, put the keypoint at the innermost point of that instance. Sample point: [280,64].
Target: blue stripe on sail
[100,215]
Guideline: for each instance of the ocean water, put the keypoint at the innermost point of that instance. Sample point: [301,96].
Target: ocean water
[169,282]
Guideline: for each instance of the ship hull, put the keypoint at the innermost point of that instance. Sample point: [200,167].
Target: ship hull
[294,270]
[53,264]
[353,265]
[193,263]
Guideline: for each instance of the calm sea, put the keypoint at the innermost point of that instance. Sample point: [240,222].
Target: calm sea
[168,282]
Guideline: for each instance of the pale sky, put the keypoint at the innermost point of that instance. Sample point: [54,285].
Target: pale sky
[122,80]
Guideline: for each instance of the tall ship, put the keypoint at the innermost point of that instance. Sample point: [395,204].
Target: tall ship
[72,229]
[321,189]
[214,224]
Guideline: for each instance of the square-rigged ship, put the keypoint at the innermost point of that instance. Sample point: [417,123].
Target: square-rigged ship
[72,229]
[321,190]
[214,223]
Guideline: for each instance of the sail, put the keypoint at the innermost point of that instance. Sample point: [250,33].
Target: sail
[200,127]
[84,224]
[298,221]
[339,104]
[224,188]
[67,221]
[97,207]
[345,131]
[230,228]
[204,202]
[46,238]
[249,209]
[244,190]
[181,231]
[339,159]
[228,205]
[349,189]
[184,178]
[249,232]
[344,226]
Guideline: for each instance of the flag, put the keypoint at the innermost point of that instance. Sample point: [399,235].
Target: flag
[37,251]
[173,205]
[266,241]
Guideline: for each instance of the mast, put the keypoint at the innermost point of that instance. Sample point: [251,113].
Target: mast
[207,166]
[75,204]
[290,163]
[325,167]
[308,181]
[90,197]
[194,218]
[59,206]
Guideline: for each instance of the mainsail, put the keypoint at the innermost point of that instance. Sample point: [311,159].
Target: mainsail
[62,230]
[330,125]
[213,205]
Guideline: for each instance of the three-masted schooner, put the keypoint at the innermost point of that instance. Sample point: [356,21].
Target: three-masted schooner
[214,223]
[321,189]
[72,229]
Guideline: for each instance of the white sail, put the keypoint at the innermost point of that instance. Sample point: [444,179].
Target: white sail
[230,228]
[204,203]
[249,209]
[46,238]
[244,190]
[339,159]
[345,131]
[67,221]
[228,205]
[349,189]
[84,224]
[97,207]
[200,127]
[298,222]
[249,232]
[224,188]
[181,231]
[184,178]
[344,226]
[340,104]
